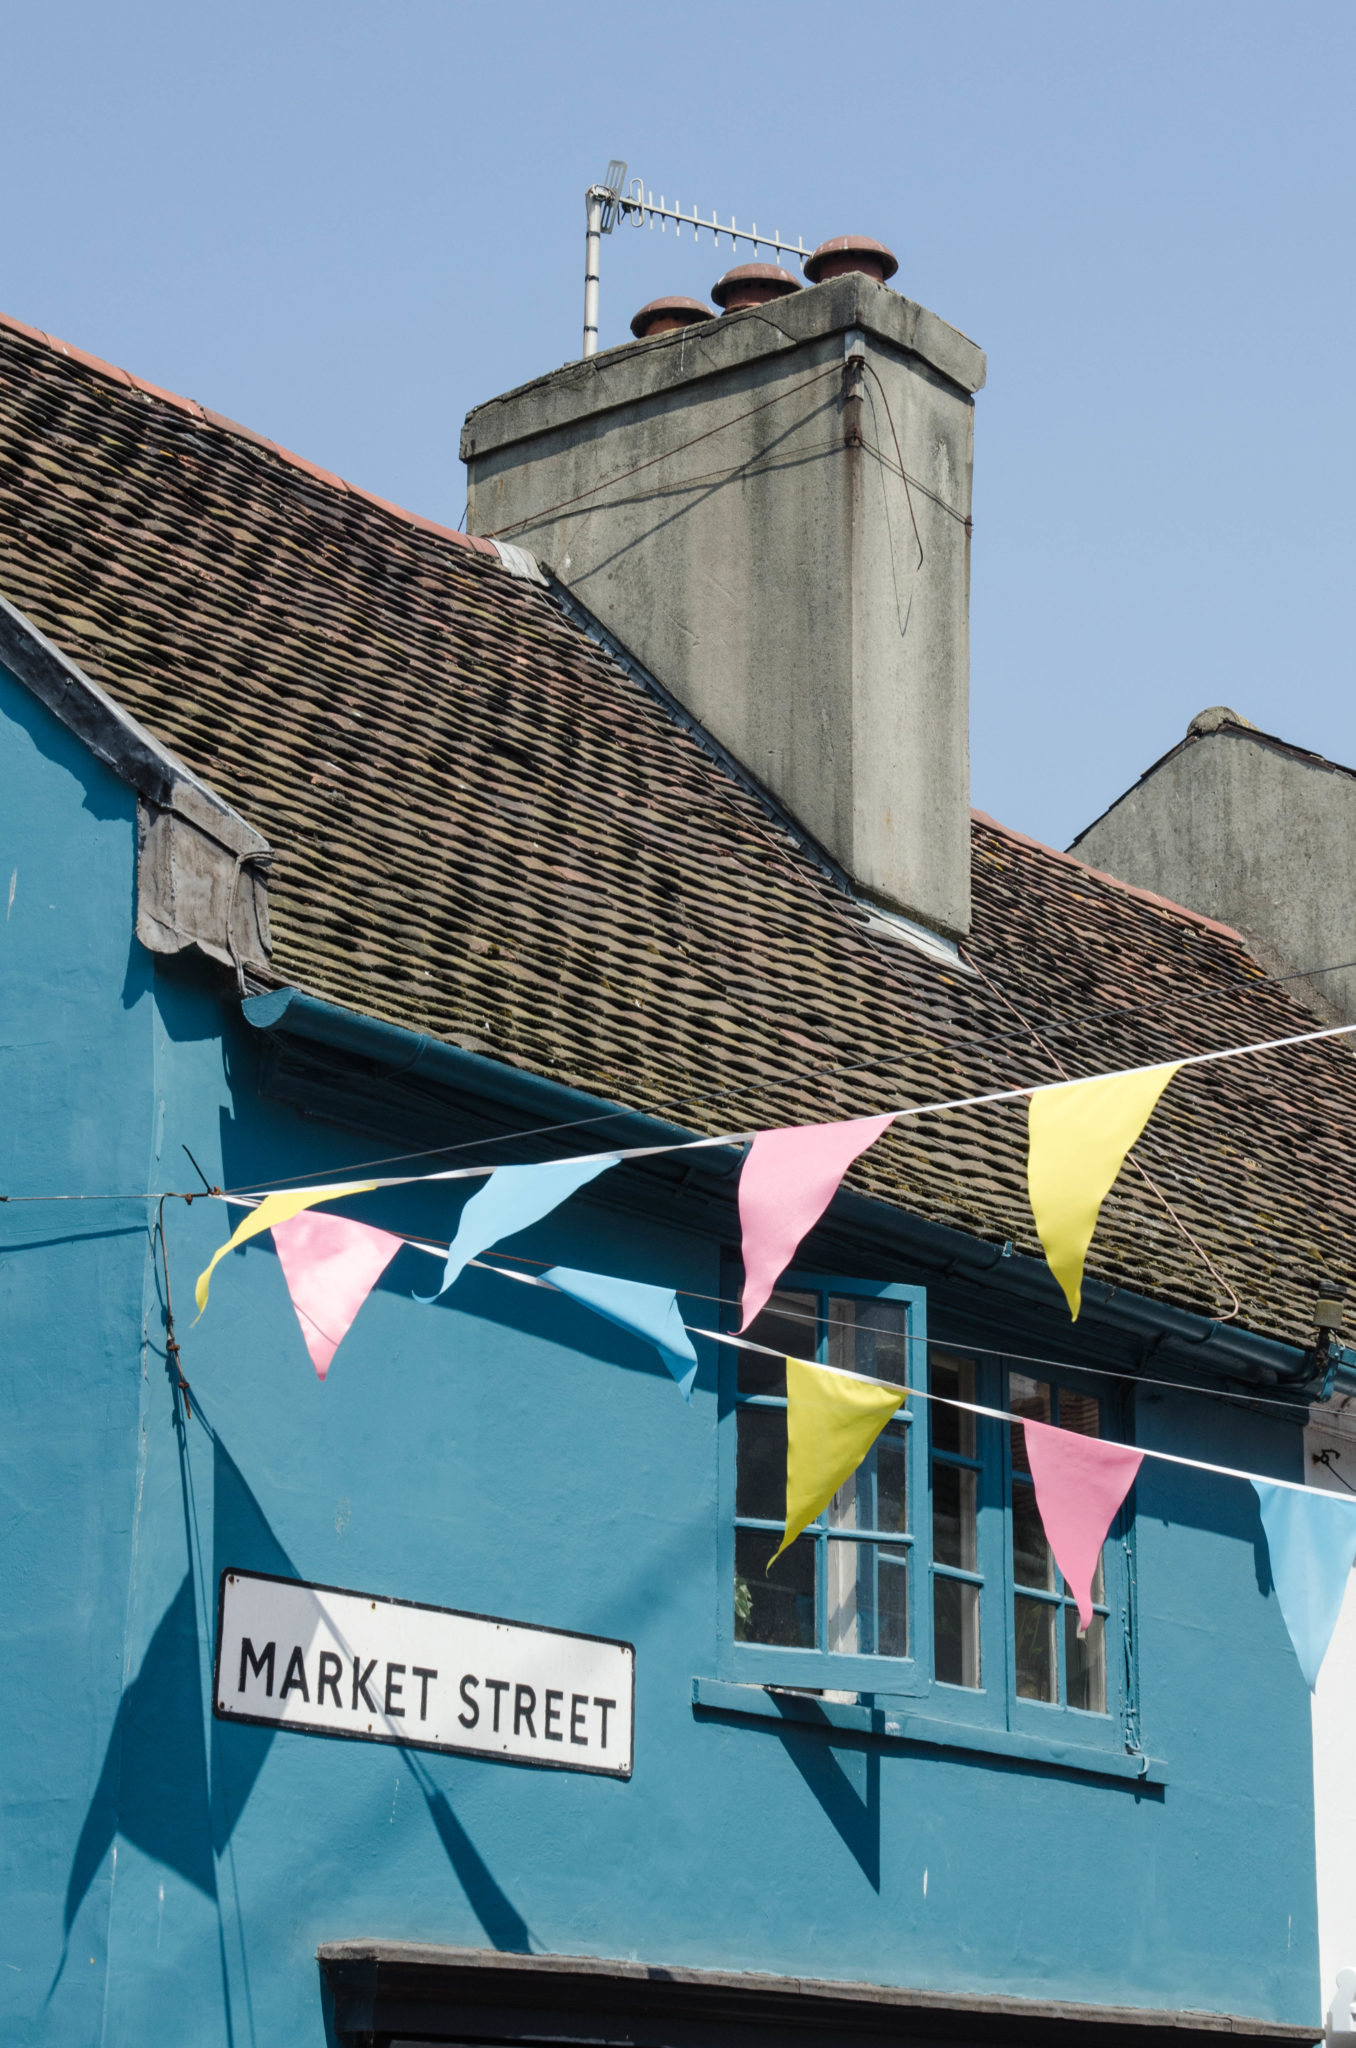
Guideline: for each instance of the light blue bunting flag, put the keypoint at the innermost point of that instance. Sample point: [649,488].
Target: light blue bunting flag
[511,1199]
[1312,1540]
[652,1312]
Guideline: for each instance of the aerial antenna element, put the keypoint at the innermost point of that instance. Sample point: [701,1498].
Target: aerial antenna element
[606,203]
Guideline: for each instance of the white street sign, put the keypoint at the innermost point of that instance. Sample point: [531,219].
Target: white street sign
[326,1662]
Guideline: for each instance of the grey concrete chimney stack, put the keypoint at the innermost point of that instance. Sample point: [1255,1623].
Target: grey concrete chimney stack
[730,500]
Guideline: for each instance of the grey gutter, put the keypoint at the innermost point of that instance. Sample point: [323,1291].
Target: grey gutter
[1189,1342]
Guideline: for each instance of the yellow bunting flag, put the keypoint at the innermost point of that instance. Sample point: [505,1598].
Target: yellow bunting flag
[832,1420]
[273,1209]
[1078,1136]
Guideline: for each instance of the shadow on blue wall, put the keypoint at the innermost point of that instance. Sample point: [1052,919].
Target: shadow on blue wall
[847,1786]
[156,1788]
[1261,1553]
[242,1539]
[503,1924]
[551,1319]
[153,1786]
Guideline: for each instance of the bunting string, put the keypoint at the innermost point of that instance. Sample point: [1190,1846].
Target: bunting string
[838,1073]
[913,1393]
[439,1248]
[907,1390]
[833,1415]
[831,1322]
[1019,1094]
[1079,1135]
[259,1189]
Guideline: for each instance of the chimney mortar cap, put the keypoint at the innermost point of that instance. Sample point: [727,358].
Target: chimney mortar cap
[1215,718]
[665,316]
[844,253]
[753,284]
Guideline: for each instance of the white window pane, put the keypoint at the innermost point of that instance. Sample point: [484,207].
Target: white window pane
[876,1495]
[1034,1625]
[1085,1663]
[868,1594]
[955,1632]
[844,1615]
[870,1337]
[1025,1397]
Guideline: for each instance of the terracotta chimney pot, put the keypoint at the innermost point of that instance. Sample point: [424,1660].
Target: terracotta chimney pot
[666,316]
[844,253]
[752,284]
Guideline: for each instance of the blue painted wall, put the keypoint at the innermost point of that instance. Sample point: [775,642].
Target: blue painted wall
[507,1453]
[79,1113]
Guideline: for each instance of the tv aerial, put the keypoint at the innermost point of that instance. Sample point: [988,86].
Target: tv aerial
[606,203]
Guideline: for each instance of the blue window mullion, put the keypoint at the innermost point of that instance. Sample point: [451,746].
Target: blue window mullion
[992,1551]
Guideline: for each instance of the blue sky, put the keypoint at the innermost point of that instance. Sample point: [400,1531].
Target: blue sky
[345,224]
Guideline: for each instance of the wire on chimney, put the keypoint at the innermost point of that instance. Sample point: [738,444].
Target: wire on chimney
[622,476]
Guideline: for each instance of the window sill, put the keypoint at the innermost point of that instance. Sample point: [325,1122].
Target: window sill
[762,1703]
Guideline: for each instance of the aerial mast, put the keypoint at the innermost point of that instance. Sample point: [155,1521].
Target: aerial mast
[606,203]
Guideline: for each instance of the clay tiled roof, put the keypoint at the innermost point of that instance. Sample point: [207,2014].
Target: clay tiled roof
[485,829]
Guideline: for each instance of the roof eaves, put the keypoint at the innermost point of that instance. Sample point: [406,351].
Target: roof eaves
[566,1117]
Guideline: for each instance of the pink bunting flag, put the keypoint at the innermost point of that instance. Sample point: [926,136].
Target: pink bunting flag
[331,1265]
[788,1180]
[1080,1482]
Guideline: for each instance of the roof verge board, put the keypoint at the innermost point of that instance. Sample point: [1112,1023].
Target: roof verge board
[202,872]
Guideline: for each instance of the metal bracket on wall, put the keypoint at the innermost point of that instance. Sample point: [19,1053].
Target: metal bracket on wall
[854,362]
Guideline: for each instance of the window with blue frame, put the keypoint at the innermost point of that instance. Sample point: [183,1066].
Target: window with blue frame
[928,1574]
[1053,1660]
[842,1589]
